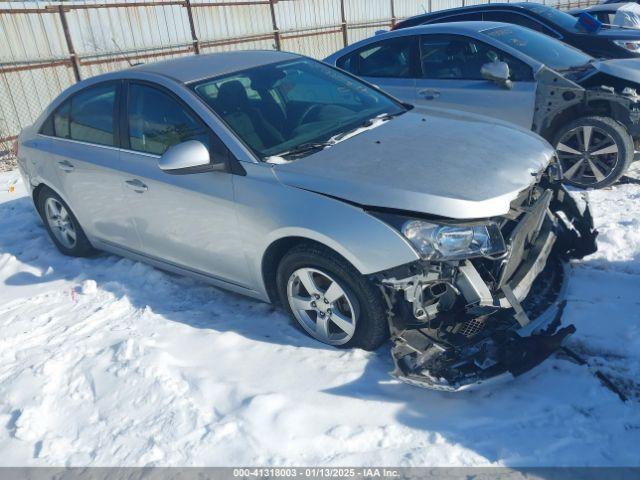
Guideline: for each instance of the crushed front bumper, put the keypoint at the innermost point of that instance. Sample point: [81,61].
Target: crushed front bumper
[494,318]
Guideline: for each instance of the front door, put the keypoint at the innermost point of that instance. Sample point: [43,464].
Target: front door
[185,220]
[451,78]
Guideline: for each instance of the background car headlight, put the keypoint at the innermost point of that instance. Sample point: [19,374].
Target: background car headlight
[454,242]
[628,45]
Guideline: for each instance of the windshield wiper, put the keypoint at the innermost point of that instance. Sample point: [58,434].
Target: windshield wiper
[304,148]
[367,123]
[315,146]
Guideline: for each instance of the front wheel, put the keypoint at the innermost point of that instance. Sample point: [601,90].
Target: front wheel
[594,152]
[330,300]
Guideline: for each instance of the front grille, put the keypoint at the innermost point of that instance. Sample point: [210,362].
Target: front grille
[471,328]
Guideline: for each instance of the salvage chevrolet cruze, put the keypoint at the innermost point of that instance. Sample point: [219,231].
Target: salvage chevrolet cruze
[281,178]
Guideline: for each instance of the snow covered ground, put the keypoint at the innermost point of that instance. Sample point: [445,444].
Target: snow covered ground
[105,361]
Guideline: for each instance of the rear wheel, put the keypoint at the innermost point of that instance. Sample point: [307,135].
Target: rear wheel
[594,152]
[62,225]
[330,300]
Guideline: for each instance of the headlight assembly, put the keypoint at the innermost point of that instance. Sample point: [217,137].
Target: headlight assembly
[628,45]
[454,242]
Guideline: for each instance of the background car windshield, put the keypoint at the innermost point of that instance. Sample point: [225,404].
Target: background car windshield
[553,15]
[540,47]
[277,107]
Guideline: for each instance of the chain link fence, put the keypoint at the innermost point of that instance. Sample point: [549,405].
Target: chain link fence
[46,46]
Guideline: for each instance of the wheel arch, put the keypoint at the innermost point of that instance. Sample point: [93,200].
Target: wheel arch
[37,190]
[598,108]
[362,259]
[274,254]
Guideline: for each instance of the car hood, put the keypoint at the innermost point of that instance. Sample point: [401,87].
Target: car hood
[616,33]
[624,68]
[441,163]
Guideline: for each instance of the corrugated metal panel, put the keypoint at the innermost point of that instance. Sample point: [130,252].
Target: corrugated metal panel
[36,63]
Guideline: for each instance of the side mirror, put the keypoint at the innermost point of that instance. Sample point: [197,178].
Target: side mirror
[188,157]
[497,72]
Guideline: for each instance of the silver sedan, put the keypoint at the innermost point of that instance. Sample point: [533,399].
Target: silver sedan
[281,178]
[588,109]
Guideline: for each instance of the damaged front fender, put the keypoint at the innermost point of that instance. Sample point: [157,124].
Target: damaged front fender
[556,95]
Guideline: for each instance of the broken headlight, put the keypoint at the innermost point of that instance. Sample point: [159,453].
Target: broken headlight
[454,242]
[628,45]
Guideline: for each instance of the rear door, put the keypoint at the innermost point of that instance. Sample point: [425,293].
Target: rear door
[390,64]
[451,78]
[84,150]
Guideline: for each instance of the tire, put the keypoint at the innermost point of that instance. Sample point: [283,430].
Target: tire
[80,246]
[361,297]
[594,171]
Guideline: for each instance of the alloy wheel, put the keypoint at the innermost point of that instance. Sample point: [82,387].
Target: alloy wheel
[588,155]
[60,222]
[321,306]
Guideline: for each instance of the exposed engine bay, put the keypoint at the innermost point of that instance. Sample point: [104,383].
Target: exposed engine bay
[455,324]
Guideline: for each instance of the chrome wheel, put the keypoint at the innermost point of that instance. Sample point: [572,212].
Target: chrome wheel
[60,222]
[588,155]
[321,306]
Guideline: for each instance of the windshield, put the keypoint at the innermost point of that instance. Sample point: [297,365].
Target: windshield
[281,107]
[555,16]
[540,47]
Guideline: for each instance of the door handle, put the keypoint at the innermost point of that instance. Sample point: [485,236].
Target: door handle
[136,185]
[429,93]
[66,166]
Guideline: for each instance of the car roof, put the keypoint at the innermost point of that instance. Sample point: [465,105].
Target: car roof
[461,27]
[474,29]
[197,67]
[472,8]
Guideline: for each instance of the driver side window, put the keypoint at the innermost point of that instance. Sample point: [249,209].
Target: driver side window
[157,121]
[461,58]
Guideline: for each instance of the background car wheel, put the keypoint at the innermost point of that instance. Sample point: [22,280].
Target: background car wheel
[330,300]
[594,151]
[62,225]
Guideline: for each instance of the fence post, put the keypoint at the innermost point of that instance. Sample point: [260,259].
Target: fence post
[393,14]
[67,37]
[343,24]
[274,23]
[192,25]
[430,9]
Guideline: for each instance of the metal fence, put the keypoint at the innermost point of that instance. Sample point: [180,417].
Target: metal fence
[46,46]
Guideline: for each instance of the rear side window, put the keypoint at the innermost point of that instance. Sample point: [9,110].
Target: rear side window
[158,121]
[92,115]
[88,116]
[61,121]
[393,58]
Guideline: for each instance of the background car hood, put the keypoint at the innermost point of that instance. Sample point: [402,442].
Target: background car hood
[616,33]
[447,164]
[624,68]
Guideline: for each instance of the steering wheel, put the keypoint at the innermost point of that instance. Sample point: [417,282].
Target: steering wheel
[316,108]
